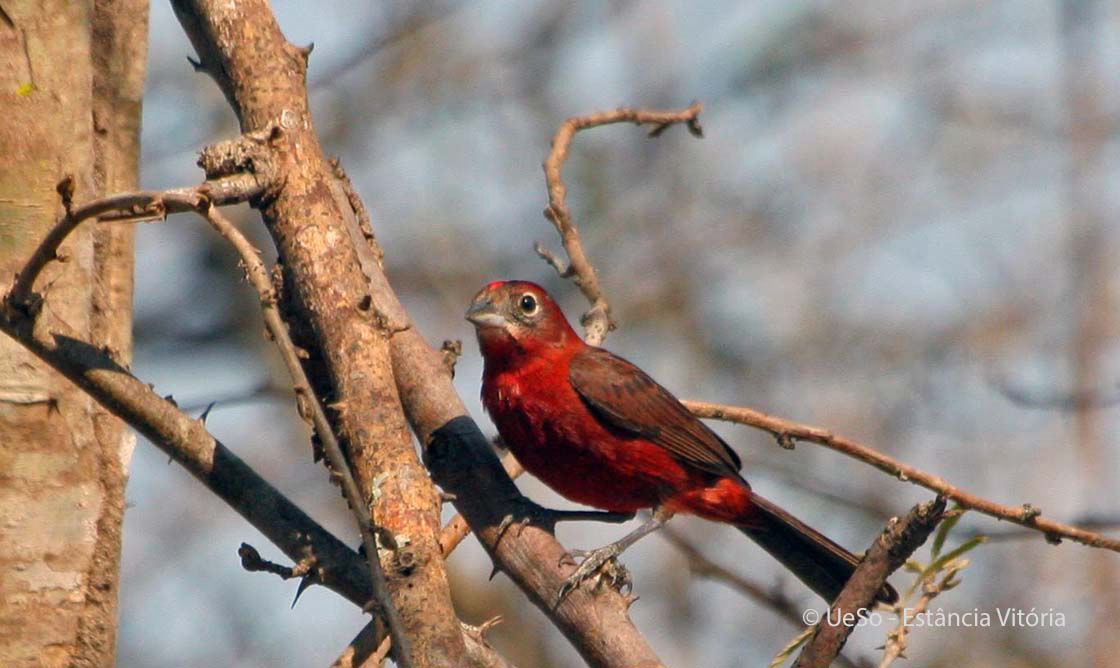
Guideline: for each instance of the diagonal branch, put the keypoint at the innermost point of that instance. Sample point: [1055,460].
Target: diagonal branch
[310,404]
[263,77]
[187,441]
[787,432]
[889,551]
[462,461]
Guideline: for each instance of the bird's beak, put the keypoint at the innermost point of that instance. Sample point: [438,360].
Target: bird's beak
[483,313]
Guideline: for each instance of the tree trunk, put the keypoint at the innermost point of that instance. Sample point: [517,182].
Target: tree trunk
[71,79]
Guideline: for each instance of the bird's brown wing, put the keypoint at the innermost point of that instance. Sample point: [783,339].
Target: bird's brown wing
[623,396]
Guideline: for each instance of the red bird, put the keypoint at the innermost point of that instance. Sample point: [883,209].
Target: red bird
[599,431]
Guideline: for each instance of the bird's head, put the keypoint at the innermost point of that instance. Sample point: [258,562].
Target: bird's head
[513,318]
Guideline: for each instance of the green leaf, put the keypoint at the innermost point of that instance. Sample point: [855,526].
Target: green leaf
[914,566]
[944,529]
[789,649]
[940,562]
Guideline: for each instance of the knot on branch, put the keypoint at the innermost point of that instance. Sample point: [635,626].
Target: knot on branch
[65,190]
[248,154]
[1029,512]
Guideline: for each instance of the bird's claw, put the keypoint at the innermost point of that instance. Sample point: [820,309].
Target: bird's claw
[595,564]
[527,513]
[509,521]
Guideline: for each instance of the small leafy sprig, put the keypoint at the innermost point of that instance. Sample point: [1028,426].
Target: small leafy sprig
[941,574]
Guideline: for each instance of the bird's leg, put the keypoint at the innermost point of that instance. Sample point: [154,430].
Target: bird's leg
[595,559]
[529,512]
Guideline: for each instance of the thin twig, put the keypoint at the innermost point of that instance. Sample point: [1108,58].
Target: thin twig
[131,207]
[889,551]
[1090,522]
[787,432]
[597,320]
[252,561]
[897,639]
[258,277]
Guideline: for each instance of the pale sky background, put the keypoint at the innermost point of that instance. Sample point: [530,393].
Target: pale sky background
[887,230]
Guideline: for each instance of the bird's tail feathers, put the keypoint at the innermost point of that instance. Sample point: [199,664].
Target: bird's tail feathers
[816,560]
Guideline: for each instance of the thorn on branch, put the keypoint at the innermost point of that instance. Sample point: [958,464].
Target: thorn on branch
[206,412]
[197,65]
[304,583]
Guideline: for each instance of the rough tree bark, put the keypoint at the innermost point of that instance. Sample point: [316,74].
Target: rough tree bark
[263,77]
[71,80]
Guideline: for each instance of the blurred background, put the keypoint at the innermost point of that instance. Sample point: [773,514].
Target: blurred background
[900,225]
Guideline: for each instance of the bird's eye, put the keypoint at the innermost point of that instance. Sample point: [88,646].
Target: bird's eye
[528,304]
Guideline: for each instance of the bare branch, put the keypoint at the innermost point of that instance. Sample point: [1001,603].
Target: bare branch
[263,77]
[328,561]
[310,404]
[889,551]
[597,320]
[596,622]
[128,207]
[157,204]
[787,431]
[186,440]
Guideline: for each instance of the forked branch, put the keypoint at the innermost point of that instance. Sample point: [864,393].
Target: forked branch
[597,320]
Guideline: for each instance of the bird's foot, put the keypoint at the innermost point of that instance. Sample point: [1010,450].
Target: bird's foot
[601,564]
